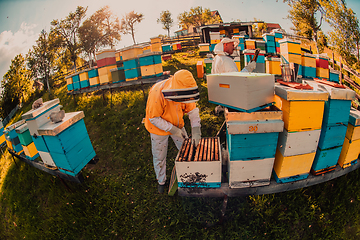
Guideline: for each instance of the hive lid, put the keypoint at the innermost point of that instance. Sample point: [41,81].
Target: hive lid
[33,113]
[354,117]
[148,54]
[291,94]
[22,128]
[15,125]
[53,129]
[334,93]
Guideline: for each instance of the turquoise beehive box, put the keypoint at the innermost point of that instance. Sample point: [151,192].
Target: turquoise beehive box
[68,143]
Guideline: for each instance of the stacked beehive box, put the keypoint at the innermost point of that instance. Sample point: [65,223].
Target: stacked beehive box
[2,135]
[260,62]
[308,66]
[69,83]
[251,145]
[351,147]
[278,36]
[214,39]
[35,118]
[75,81]
[272,65]
[118,56]
[208,65]
[261,45]
[204,48]
[132,69]
[27,142]
[322,66]
[241,45]
[334,126]
[242,91]
[93,77]
[84,79]
[303,114]
[290,50]
[117,74]
[155,44]
[334,76]
[106,60]
[68,142]
[250,44]
[166,47]
[199,167]
[150,65]
[176,46]
[235,31]
[12,139]
[270,42]
[147,48]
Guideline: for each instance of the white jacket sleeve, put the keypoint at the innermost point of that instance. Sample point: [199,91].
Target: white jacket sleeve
[194,117]
[161,123]
[223,64]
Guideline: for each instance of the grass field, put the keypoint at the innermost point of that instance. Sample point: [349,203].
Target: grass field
[119,199]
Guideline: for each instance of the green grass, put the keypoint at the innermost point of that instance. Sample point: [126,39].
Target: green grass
[119,199]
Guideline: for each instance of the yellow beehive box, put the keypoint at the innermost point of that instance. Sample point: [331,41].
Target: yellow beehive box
[238,63]
[174,46]
[118,56]
[349,152]
[308,60]
[2,139]
[94,81]
[69,81]
[83,75]
[235,30]
[278,39]
[105,74]
[289,46]
[155,40]
[322,73]
[204,47]
[215,41]
[156,47]
[30,150]
[131,52]
[353,132]
[292,165]
[8,143]
[222,31]
[302,109]
[147,70]
[273,66]
[132,79]
[250,44]
[158,68]
[292,57]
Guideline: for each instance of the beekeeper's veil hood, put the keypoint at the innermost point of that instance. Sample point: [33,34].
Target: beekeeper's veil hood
[181,88]
[219,48]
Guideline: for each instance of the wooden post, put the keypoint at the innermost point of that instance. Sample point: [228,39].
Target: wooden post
[333,59]
[340,75]
[74,99]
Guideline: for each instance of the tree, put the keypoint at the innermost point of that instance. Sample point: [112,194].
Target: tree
[166,20]
[68,29]
[16,83]
[303,17]
[41,59]
[197,17]
[100,30]
[259,28]
[345,34]
[128,23]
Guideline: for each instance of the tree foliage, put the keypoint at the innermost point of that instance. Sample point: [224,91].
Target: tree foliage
[100,30]
[17,85]
[197,17]
[259,28]
[129,21]
[345,34]
[166,20]
[68,29]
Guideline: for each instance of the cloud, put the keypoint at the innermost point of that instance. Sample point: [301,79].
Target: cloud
[12,44]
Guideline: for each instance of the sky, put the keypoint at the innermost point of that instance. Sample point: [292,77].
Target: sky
[21,21]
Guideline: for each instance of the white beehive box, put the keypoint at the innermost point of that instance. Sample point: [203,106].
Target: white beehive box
[241,91]
[38,117]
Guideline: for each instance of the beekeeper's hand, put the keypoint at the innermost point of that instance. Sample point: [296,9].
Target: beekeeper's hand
[250,67]
[177,132]
[196,135]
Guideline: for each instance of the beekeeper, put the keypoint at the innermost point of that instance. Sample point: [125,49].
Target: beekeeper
[167,102]
[222,62]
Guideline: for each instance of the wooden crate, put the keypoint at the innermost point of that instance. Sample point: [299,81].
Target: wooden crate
[241,91]
[302,109]
[296,143]
[253,173]
[292,168]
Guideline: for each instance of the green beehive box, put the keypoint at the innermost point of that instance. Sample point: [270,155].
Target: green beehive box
[24,135]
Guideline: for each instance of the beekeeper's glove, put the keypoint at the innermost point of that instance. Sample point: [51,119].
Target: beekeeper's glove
[177,132]
[250,67]
[196,135]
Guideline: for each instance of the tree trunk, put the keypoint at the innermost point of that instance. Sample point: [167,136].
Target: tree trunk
[169,32]
[133,35]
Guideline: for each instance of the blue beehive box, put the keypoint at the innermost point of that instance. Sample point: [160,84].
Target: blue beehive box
[76,78]
[334,126]
[12,136]
[70,87]
[68,143]
[334,76]
[132,73]
[166,47]
[131,64]
[307,72]
[76,85]
[93,73]
[84,84]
